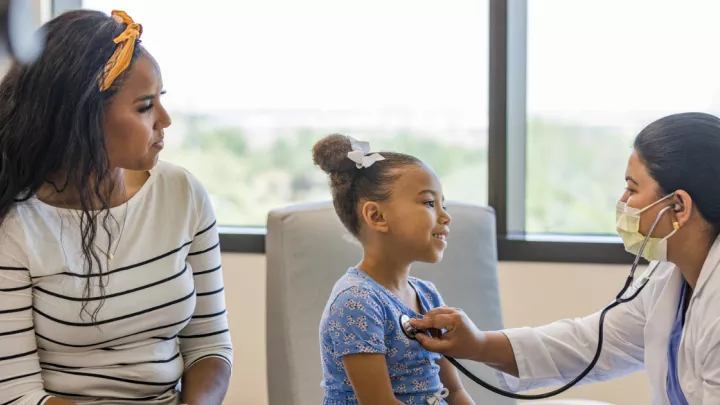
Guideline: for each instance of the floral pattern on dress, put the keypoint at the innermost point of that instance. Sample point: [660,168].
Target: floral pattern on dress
[363,317]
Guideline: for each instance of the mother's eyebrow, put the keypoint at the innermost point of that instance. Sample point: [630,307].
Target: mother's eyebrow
[148,97]
[145,98]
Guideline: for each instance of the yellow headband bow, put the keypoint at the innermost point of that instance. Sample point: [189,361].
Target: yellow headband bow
[120,59]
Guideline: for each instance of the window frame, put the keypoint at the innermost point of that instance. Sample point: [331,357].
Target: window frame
[506,156]
[507,153]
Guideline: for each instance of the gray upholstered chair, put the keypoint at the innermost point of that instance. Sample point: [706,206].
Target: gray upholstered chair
[308,250]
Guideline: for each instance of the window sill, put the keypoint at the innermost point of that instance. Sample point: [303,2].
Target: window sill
[563,249]
[527,248]
[242,239]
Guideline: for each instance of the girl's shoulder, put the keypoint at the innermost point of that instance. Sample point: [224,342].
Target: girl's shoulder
[355,284]
[355,290]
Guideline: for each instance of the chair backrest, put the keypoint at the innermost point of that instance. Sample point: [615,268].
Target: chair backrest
[308,251]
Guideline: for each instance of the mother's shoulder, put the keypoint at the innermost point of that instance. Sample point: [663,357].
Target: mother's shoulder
[171,174]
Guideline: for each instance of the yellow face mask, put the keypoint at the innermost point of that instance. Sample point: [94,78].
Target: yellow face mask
[628,227]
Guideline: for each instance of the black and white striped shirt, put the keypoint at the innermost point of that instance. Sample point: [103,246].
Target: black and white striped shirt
[163,308]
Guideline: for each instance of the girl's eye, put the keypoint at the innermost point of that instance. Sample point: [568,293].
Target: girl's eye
[430,204]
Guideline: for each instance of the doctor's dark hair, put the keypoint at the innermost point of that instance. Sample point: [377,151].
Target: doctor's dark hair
[52,114]
[682,152]
[350,185]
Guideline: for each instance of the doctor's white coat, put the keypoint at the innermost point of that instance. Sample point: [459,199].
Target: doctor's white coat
[636,337]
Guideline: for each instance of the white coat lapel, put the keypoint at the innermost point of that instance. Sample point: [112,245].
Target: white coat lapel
[711,263]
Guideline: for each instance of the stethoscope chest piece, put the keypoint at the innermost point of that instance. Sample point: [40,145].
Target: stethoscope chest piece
[407,329]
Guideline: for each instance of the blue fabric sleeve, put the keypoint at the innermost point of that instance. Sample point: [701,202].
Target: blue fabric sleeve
[356,322]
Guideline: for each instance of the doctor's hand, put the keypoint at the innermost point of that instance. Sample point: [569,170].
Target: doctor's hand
[463,340]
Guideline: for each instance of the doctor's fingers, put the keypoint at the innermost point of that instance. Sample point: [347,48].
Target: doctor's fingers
[444,310]
[439,345]
[447,321]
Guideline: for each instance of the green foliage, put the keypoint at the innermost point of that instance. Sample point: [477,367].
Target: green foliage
[574,174]
[231,139]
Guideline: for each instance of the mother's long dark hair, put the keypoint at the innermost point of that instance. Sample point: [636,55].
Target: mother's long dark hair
[51,124]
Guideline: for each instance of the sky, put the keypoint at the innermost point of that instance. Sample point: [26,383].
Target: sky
[318,54]
[598,62]
[606,60]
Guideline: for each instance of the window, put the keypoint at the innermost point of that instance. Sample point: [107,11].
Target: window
[598,71]
[528,106]
[252,85]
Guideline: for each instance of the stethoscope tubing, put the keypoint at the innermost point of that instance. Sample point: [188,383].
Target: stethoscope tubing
[618,300]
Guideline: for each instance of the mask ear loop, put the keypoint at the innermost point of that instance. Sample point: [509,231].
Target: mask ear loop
[647,238]
[641,210]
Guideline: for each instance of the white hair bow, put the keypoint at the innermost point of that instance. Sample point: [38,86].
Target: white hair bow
[360,155]
[437,398]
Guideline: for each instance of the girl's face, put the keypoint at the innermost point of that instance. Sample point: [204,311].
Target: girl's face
[417,223]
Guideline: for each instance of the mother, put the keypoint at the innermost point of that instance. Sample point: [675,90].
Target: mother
[111,288]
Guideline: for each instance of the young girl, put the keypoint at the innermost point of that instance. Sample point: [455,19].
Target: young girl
[393,204]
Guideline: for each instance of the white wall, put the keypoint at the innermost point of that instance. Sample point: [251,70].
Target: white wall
[531,294]
[534,294]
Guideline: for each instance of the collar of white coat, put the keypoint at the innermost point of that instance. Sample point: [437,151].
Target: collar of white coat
[711,264]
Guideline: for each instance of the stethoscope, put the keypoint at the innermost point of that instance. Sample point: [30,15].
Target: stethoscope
[638,285]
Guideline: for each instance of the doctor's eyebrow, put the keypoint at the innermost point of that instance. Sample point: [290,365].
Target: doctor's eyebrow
[630,179]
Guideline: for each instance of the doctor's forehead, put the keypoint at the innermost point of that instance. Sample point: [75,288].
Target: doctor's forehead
[637,171]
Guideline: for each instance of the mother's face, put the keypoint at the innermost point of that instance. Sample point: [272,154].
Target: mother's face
[135,119]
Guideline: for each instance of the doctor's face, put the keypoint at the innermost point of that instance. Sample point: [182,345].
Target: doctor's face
[641,190]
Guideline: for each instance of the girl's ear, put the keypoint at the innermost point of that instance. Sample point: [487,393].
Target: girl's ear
[373,216]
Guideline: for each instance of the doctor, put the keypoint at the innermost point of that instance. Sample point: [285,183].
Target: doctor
[672,328]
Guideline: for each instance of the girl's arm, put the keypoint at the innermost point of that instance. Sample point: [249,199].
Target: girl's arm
[355,326]
[370,380]
[451,380]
